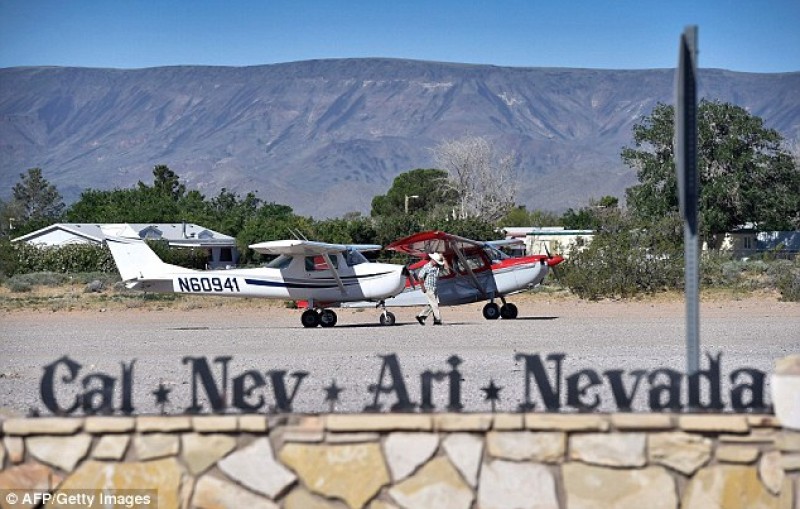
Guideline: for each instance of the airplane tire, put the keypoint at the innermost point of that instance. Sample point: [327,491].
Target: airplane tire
[491,311]
[508,311]
[388,318]
[310,318]
[328,318]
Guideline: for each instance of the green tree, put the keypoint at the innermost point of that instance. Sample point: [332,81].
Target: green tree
[603,214]
[35,202]
[166,201]
[470,227]
[608,202]
[427,191]
[521,216]
[745,174]
[228,213]
[166,182]
[272,221]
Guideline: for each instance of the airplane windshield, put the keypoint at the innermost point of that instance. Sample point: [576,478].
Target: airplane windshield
[353,257]
[281,262]
[495,254]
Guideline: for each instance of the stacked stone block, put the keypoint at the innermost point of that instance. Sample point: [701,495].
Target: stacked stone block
[385,461]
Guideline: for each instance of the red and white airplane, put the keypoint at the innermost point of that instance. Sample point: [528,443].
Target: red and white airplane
[477,271]
[324,275]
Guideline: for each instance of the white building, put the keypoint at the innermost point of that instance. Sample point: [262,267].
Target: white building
[221,248]
[556,240]
[747,241]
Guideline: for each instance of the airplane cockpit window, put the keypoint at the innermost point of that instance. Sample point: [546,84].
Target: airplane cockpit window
[281,262]
[353,257]
[318,263]
[495,255]
[474,262]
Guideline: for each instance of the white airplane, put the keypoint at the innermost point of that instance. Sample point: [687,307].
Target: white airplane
[325,275]
[478,271]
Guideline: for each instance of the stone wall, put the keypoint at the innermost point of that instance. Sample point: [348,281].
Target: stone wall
[382,461]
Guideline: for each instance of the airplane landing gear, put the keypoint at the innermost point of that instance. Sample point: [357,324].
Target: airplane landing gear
[327,318]
[508,311]
[491,311]
[387,317]
[310,318]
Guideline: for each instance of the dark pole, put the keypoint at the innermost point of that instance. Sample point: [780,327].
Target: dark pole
[688,186]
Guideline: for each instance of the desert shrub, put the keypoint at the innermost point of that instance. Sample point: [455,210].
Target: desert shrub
[39,279]
[622,264]
[786,277]
[107,278]
[17,286]
[713,272]
[723,272]
[22,283]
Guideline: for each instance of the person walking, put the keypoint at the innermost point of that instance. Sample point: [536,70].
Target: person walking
[428,278]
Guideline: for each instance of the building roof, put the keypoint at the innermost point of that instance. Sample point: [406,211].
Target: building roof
[558,230]
[177,234]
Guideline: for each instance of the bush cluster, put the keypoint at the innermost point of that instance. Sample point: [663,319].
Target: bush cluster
[612,266]
[619,265]
[23,258]
[191,258]
[786,275]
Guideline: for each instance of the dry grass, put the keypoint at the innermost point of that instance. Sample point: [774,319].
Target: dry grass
[73,297]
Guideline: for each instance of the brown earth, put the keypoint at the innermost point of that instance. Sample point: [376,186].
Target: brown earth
[74,299]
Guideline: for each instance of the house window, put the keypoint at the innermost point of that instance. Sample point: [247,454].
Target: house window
[150,233]
[748,243]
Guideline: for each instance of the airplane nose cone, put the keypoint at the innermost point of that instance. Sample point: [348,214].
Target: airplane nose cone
[554,260]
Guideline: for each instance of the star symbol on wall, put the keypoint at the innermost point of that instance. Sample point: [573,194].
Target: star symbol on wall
[332,394]
[492,392]
[162,395]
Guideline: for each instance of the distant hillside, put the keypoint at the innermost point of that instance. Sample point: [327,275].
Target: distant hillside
[326,136]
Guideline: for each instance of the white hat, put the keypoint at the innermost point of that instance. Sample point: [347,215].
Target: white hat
[438,258]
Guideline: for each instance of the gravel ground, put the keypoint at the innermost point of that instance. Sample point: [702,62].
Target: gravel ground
[647,335]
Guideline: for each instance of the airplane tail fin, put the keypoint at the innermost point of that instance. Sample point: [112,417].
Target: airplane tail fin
[135,259]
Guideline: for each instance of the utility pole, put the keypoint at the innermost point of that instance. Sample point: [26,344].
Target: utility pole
[689,187]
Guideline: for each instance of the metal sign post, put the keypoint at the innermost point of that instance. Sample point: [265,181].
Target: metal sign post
[688,187]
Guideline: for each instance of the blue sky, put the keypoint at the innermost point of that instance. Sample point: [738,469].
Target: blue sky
[751,36]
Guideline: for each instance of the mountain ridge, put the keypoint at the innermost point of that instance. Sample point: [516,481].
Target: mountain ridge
[325,136]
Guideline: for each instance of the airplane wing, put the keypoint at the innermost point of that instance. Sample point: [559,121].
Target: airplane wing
[312,248]
[421,244]
[505,242]
[307,247]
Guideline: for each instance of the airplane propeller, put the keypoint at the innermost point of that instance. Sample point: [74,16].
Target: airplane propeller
[552,262]
[407,273]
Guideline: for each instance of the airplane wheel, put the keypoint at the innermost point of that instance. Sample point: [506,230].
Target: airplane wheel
[491,311]
[310,318]
[508,311]
[387,318]
[328,318]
